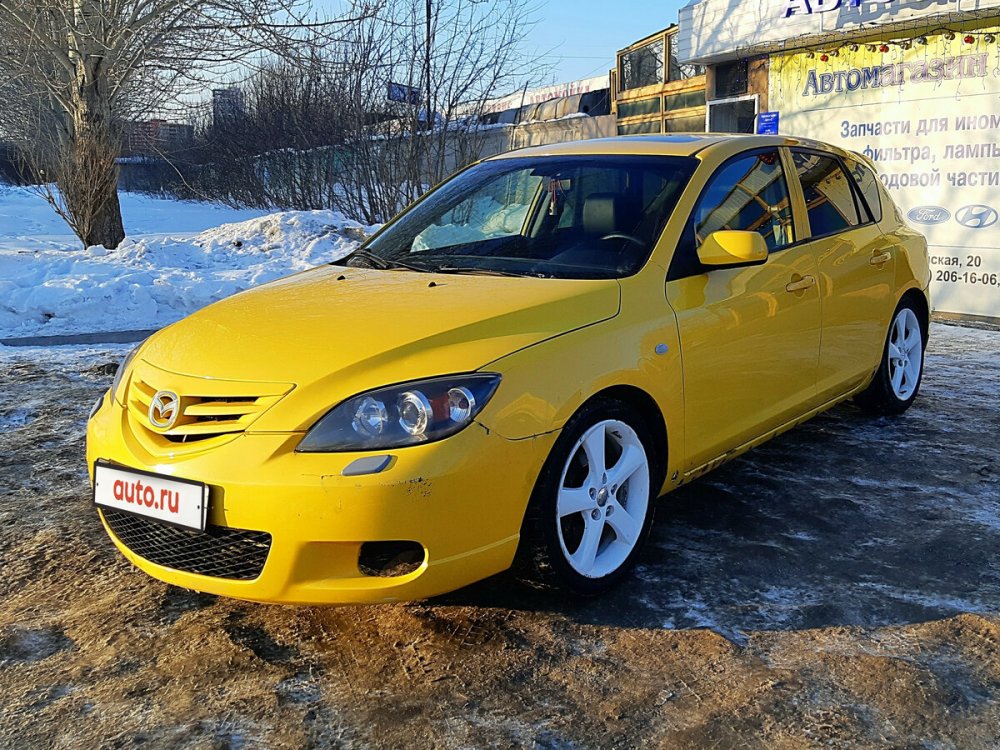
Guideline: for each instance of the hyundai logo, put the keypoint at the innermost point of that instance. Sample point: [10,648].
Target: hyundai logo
[929,215]
[164,410]
[977,217]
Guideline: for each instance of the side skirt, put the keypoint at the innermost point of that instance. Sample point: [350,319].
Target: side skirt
[740,450]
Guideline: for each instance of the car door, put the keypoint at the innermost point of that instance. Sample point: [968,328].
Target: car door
[750,336]
[855,265]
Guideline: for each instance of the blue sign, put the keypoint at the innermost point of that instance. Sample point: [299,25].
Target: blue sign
[400,92]
[767,123]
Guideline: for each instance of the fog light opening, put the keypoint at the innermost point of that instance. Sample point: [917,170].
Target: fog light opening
[390,559]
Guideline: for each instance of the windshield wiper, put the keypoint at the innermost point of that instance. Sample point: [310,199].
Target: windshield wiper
[383,264]
[477,271]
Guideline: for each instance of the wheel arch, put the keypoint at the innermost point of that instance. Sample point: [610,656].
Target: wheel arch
[646,407]
[535,561]
[922,306]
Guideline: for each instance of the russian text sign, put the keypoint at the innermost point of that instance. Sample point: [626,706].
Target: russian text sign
[928,117]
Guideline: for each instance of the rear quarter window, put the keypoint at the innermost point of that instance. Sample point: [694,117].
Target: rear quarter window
[867,183]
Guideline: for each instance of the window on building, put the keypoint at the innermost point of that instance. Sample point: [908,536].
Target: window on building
[731,79]
[867,183]
[680,72]
[828,193]
[650,106]
[640,128]
[687,124]
[684,100]
[643,66]
[737,116]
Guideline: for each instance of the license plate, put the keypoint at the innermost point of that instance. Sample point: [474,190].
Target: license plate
[178,502]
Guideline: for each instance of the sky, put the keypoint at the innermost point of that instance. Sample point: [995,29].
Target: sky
[579,38]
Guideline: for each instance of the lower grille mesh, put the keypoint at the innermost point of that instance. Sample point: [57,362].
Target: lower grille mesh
[218,551]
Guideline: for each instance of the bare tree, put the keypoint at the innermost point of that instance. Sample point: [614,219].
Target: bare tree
[73,70]
[326,132]
[454,55]
[282,151]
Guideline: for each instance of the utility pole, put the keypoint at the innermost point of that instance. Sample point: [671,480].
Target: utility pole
[427,64]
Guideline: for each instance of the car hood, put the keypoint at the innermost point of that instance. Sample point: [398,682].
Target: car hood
[332,332]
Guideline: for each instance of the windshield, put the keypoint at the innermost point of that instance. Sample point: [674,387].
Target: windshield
[583,217]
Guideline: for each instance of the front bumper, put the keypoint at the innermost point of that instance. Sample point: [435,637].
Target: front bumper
[462,499]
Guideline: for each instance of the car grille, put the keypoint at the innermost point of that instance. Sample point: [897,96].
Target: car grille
[211,411]
[202,417]
[219,551]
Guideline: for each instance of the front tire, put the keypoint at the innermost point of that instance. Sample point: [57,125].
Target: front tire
[897,381]
[592,507]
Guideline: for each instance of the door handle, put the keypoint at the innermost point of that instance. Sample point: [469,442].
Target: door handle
[879,258]
[801,284]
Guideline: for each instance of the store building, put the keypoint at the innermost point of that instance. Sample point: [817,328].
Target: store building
[912,84]
[652,92]
[155,137]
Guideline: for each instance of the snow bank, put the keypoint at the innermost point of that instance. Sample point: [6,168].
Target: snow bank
[177,259]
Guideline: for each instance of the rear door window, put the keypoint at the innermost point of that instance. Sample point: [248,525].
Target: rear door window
[827,190]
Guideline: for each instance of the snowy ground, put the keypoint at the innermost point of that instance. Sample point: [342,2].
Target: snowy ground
[179,257]
[838,587]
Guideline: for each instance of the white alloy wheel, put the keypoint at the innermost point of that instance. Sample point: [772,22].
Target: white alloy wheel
[905,353]
[603,498]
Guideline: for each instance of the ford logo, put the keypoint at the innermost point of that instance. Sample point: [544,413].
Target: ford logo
[977,216]
[929,215]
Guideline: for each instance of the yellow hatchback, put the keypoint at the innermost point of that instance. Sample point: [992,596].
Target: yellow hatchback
[512,370]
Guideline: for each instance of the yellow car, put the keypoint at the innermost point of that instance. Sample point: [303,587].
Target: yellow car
[513,369]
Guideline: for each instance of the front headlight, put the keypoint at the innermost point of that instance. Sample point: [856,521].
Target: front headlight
[401,415]
[120,374]
[96,407]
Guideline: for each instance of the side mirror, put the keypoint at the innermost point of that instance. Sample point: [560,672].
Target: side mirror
[728,248]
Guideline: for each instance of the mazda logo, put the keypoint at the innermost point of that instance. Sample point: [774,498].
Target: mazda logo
[164,410]
[977,217]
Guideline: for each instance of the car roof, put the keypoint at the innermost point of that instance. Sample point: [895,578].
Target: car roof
[678,144]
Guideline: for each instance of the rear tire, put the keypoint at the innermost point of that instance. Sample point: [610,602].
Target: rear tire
[592,506]
[900,372]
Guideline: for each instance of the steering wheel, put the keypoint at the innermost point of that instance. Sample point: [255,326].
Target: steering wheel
[622,236]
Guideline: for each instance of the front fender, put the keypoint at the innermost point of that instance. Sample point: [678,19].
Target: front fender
[544,385]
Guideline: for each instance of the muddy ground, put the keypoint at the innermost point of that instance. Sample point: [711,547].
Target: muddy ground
[839,587]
